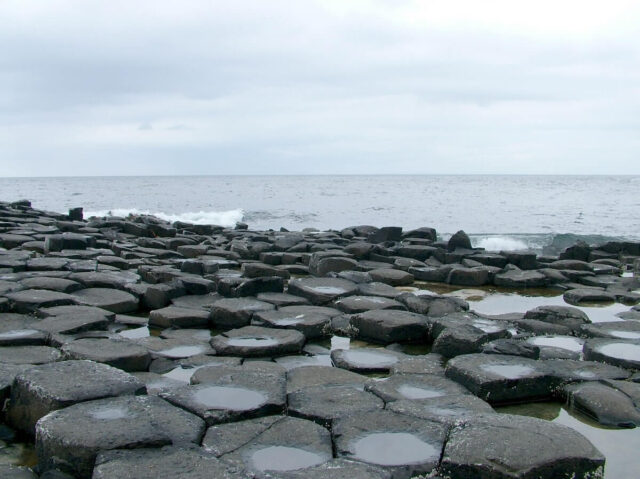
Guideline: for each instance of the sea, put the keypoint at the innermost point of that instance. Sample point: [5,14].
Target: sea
[499,212]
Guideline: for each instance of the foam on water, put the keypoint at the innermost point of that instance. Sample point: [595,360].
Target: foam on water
[222,218]
[500,243]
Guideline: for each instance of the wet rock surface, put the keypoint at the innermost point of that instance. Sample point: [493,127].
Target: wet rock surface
[271,338]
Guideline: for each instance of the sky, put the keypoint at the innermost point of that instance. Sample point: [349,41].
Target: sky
[319,87]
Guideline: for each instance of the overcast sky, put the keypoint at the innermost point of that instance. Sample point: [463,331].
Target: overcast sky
[333,86]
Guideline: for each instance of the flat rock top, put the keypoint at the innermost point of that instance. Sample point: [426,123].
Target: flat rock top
[501,445]
[78,380]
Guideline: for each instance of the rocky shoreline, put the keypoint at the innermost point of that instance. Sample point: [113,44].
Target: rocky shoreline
[137,348]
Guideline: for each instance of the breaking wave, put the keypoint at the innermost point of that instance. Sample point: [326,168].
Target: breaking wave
[501,243]
[222,218]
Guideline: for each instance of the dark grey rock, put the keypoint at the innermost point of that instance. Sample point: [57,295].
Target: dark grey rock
[613,330]
[606,405]
[112,300]
[459,240]
[568,370]
[105,279]
[175,317]
[360,304]
[406,446]
[501,378]
[413,386]
[237,312]
[372,288]
[392,277]
[73,323]
[312,325]
[520,279]
[498,446]
[160,295]
[512,347]
[42,389]
[313,376]
[322,290]
[277,445]
[566,316]
[282,299]
[468,276]
[335,469]
[52,284]
[432,305]
[71,438]
[185,462]
[366,360]
[390,326]
[324,404]
[29,354]
[200,301]
[618,352]
[8,471]
[252,341]
[423,364]
[121,354]
[30,300]
[461,339]
[20,330]
[443,409]
[227,394]
[577,296]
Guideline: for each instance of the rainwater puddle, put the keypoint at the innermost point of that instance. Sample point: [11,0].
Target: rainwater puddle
[501,302]
[413,392]
[625,334]
[327,290]
[282,458]
[619,446]
[368,358]
[626,351]
[135,333]
[109,413]
[252,342]
[289,321]
[182,351]
[508,371]
[18,333]
[394,449]
[227,397]
[563,342]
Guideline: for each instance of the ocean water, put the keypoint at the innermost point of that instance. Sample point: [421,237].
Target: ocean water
[499,212]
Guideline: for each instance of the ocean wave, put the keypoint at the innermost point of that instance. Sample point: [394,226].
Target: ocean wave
[502,243]
[222,218]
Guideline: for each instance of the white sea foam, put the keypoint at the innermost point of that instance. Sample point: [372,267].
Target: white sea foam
[222,218]
[501,243]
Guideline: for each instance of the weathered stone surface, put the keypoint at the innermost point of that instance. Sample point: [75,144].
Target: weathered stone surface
[618,352]
[312,325]
[312,376]
[322,290]
[237,312]
[520,279]
[71,438]
[558,346]
[498,446]
[413,386]
[198,301]
[121,354]
[390,326]
[52,284]
[374,288]
[443,409]
[8,372]
[282,299]
[405,445]
[566,316]
[105,279]
[468,276]
[324,404]
[459,240]
[501,378]
[42,389]
[28,354]
[423,364]
[606,405]
[252,341]
[19,330]
[392,277]
[73,323]
[8,471]
[461,339]
[366,360]
[286,444]
[432,305]
[175,317]
[588,295]
[29,300]
[335,469]
[568,370]
[184,462]
[360,304]
[112,300]
[226,394]
[613,330]
[511,347]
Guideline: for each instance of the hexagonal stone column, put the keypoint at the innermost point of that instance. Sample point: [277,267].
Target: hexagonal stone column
[42,389]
